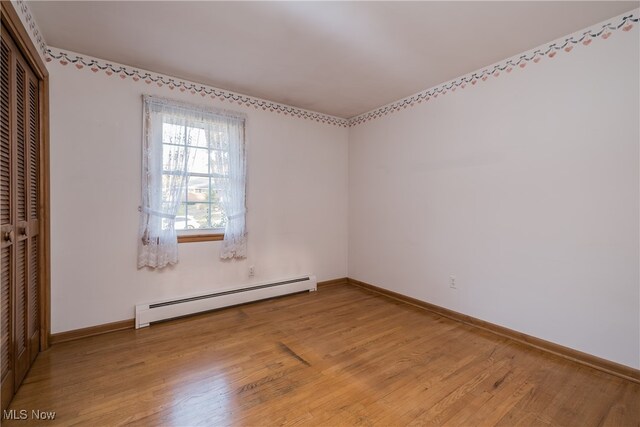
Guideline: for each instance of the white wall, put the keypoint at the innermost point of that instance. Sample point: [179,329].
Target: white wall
[526,187]
[296,197]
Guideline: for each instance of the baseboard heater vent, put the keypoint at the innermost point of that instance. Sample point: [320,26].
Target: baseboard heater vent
[179,307]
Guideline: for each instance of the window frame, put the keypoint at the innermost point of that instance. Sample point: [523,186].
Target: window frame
[201,237]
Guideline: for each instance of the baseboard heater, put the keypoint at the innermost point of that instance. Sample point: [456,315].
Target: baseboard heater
[179,307]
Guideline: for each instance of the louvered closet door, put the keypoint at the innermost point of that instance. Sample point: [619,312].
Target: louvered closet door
[6,223]
[32,231]
[20,250]
[19,196]
[25,121]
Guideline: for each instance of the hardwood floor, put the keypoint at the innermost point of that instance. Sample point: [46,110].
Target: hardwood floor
[339,356]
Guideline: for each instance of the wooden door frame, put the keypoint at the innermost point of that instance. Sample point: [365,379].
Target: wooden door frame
[13,25]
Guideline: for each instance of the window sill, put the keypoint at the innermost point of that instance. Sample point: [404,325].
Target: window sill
[191,238]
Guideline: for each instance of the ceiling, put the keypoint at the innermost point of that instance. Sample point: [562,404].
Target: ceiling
[338,58]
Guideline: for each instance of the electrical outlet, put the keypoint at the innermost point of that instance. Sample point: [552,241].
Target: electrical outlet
[452,281]
[252,271]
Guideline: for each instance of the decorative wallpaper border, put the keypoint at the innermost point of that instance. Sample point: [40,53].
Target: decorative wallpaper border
[625,22]
[29,22]
[125,72]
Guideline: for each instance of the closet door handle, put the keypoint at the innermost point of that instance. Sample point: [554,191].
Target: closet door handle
[8,236]
[23,228]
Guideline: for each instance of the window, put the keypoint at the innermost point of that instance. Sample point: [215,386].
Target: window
[193,180]
[207,171]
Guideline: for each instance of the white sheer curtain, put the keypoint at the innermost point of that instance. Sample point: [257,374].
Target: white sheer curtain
[233,194]
[164,176]
[157,240]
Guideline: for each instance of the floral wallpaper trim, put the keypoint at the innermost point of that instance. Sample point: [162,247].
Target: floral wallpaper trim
[29,22]
[624,22]
[146,77]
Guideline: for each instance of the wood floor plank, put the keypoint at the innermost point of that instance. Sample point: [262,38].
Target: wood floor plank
[341,356]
